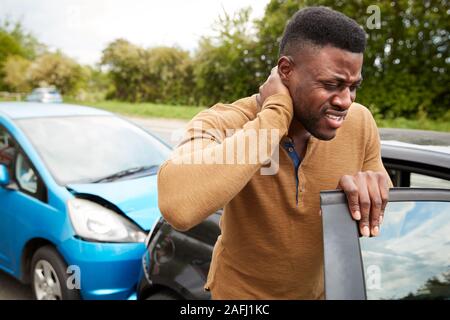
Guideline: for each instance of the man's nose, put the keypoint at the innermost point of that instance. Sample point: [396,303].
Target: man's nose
[343,99]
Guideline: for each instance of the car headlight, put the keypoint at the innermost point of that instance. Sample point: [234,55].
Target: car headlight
[94,222]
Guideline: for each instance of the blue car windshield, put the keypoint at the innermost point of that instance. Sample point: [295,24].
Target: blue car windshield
[83,149]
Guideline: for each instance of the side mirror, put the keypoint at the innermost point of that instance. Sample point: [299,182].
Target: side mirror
[4,175]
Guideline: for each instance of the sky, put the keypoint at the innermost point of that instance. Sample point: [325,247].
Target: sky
[83,28]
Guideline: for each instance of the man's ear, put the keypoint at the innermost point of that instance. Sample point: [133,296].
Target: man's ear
[285,68]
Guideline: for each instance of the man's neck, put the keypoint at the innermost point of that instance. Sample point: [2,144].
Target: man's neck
[298,132]
[300,136]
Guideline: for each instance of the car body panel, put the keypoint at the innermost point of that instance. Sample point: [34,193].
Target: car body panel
[121,260]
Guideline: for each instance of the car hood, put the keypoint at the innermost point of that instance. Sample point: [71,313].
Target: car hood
[137,198]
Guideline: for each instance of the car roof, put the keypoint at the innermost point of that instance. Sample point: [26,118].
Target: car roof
[22,110]
[425,154]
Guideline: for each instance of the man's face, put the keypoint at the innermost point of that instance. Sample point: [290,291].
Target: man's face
[323,83]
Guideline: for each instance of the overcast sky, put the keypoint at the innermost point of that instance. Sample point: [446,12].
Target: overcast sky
[83,28]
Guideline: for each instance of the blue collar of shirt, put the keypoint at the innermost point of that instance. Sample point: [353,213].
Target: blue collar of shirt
[289,146]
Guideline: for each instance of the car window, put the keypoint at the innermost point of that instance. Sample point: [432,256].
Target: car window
[82,149]
[423,181]
[411,257]
[25,175]
[406,178]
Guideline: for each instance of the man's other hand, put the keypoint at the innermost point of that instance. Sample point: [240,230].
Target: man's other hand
[367,195]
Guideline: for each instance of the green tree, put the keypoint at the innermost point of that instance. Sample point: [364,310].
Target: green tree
[16,70]
[30,47]
[159,74]
[123,61]
[168,72]
[58,70]
[226,67]
[98,84]
[15,41]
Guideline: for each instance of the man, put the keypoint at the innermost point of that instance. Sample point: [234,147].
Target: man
[271,243]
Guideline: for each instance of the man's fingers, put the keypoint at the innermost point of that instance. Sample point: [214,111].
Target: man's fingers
[367,196]
[364,204]
[376,202]
[348,185]
[384,193]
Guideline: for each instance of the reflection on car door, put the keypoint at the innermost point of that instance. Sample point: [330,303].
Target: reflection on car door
[409,260]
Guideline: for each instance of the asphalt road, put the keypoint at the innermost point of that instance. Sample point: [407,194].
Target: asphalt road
[170,131]
[11,289]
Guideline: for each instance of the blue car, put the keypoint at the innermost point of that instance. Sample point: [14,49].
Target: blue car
[78,196]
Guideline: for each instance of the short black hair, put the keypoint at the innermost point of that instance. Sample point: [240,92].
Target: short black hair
[321,26]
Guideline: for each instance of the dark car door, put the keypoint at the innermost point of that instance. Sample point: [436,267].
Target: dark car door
[409,260]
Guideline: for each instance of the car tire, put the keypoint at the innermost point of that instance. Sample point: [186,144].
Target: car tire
[49,276]
[163,295]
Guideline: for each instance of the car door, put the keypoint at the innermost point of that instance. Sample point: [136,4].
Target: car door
[410,259]
[7,154]
[24,198]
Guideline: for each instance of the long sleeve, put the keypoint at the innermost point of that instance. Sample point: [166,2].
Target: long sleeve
[373,161]
[208,170]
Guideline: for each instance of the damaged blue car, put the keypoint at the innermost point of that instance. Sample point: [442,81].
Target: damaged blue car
[78,196]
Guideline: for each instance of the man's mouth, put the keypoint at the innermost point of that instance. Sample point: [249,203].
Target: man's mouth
[332,117]
[335,118]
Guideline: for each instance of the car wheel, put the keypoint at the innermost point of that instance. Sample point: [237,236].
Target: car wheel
[49,276]
[163,295]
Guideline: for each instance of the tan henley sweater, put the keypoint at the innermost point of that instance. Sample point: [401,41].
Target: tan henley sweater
[270,247]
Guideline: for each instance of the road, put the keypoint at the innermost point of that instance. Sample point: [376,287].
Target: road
[11,289]
[169,131]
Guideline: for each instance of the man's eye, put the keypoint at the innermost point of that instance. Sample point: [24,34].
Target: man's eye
[330,86]
[355,87]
